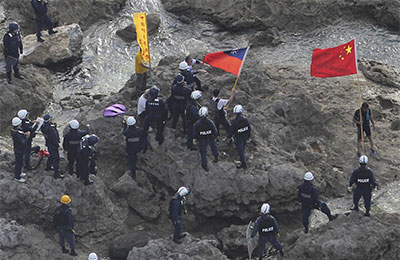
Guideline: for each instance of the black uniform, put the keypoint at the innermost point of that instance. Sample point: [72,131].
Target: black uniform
[66,228]
[205,132]
[192,115]
[267,227]
[180,95]
[218,115]
[42,19]
[19,141]
[28,126]
[240,129]
[52,137]
[157,114]
[136,141]
[176,207]
[12,48]
[71,144]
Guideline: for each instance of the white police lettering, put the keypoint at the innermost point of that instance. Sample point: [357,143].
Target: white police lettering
[179,97]
[153,104]
[205,132]
[363,180]
[133,140]
[242,130]
[307,196]
[268,229]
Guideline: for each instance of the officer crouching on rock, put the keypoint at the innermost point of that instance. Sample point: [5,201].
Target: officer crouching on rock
[176,206]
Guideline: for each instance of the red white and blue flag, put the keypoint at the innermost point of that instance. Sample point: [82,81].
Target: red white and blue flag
[230,61]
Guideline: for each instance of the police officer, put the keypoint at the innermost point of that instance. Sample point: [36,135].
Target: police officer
[50,132]
[28,126]
[187,75]
[136,141]
[157,114]
[12,47]
[366,118]
[217,110]
[205,132]
[20,139]
[40,9]
[308,197]
[190,61]
[85,156]
[240,129]
[180,95]
[364,179]
[71,143]
[176,206]
[65,228]
[268,229]
[192,115]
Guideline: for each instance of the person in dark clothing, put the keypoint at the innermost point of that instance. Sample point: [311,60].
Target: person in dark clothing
[65,228]
[192,115]
[176,206]
[364,179]
[42,19]
[180,95]
[308,197]
[187,75]
[365,121]
[31,127]
[268,229]
[71,143]
[217,111]
[136,142]
[205,132]
[12,47]
[85,158]
[50,132]
[240,129]
[20,140]
[157,114]
[190,61]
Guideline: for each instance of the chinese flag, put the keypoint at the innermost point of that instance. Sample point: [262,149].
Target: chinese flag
[334,62]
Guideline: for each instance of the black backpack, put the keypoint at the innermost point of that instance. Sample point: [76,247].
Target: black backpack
[59,216]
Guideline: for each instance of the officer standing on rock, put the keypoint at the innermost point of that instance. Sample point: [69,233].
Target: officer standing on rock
[64,222]
[176,206]
[268,229]
[12,47]
[31,127]
[308,197]
[85,156]
[192,115]
[50,132]
[20,139]
[42,19]
[157,114]
[364,179]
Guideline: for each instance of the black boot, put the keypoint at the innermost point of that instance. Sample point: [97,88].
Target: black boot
[332,217]
[306,230]
[9,77]
[177,241]
[367,214]
[52,32]
[182,236]
[281,252]
[205,168]
[17,75]
[39,39]
[64,250]
[73,253]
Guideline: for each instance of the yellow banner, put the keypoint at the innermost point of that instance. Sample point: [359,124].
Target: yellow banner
[140,21]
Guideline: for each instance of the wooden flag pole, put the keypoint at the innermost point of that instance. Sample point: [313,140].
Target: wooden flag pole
[359,105]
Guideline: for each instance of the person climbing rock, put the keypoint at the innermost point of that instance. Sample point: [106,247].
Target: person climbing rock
[365,121]
[364,179]
[308,197]
[240,129]
[20,140]
[179,97]
[141,68]
[50,132]
[268,230]
[71,143]
[12,47]
[176,207]
[205,132]
[157,114]
[85,156]
[31,127]
[141,107]
[190,61]
[42,19]
[136,142]
[64,222]
[192,115]
[217,111]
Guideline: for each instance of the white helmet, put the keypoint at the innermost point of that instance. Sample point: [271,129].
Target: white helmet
[308,176]
[238,109]
[196,95]
[363,159]
[22,114]
[183,65]
[183,191]
[16,121]
[203,112]
[130,121]
[265,208]
[74,124]
[93,256]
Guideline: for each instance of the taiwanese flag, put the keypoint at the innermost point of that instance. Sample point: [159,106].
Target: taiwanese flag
[334,62]
[230,61]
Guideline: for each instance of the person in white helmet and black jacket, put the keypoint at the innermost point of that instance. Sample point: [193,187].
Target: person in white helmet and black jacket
[176,207]
[20,140]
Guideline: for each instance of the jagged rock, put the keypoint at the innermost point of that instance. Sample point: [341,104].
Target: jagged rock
[395,126]
[381,73]
[165,249]
[128,33]
[121,246]
[233,240]
[270,37]
[61,48]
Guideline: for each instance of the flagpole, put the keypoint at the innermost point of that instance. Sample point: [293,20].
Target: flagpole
[360,106]
[148,47]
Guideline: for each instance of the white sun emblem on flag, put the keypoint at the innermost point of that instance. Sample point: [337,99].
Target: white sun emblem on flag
[233,52]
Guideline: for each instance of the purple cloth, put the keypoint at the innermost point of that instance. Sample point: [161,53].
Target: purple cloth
[114,110]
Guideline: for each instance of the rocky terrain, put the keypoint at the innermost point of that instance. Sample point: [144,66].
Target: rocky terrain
[299,124]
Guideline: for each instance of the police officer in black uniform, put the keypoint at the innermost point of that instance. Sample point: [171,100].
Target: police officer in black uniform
[308,197]
[42,19]
[268,229]
[85,156]
[364,179]
[176,207]
[136,141]
[12,47]
[65,227]
[180,95]
[31,127]
[205,132]
[50,132]
[240,129]
[217,111]
[157,114]
[192,115]
[71,143]
[20,140]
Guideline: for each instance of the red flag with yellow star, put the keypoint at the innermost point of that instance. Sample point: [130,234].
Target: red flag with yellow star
[334,62]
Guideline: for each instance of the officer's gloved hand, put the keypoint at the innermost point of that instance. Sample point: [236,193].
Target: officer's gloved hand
[349,189]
